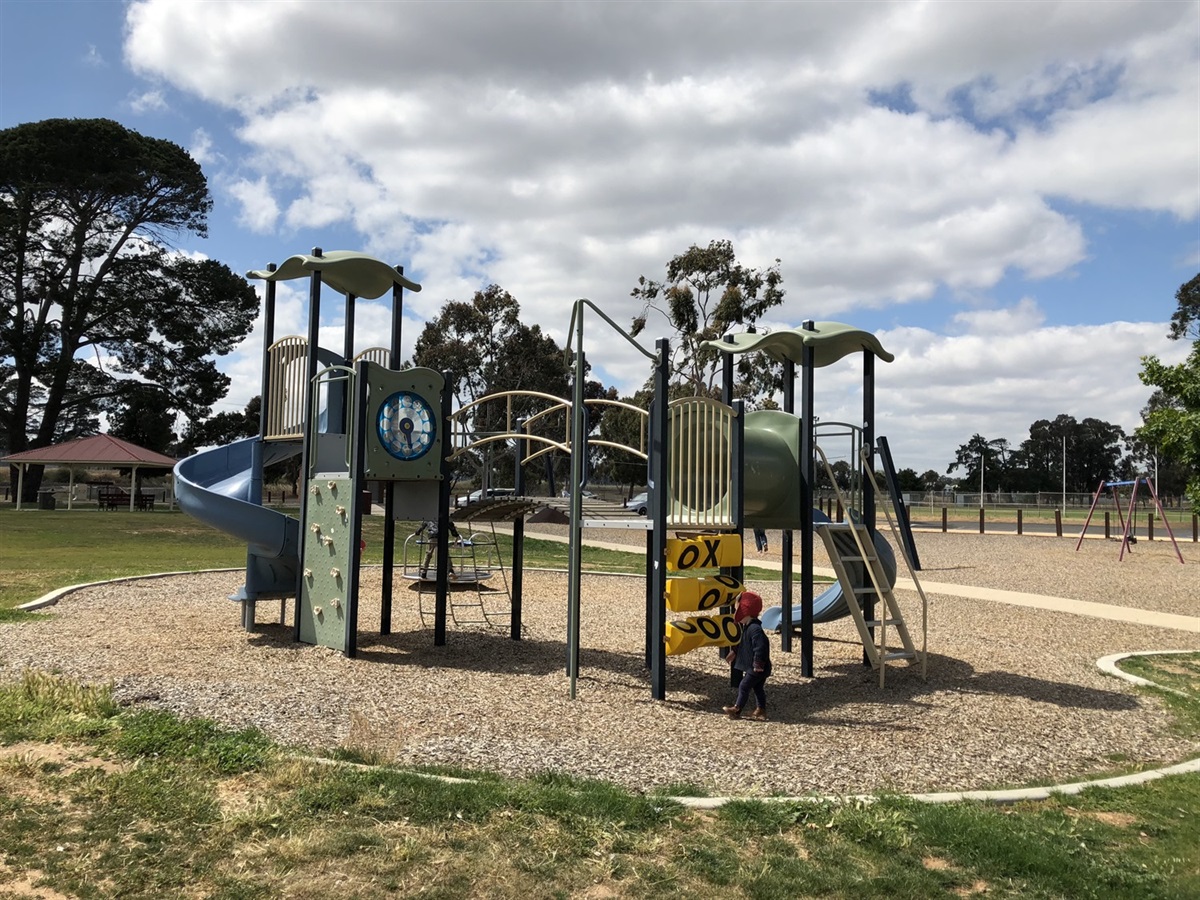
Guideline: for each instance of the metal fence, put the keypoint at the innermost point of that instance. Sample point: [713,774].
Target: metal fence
[1043,500]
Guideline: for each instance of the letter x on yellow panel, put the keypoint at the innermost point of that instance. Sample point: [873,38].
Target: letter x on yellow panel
[707,551]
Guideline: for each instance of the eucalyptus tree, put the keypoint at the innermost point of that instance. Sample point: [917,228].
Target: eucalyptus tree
[705,294]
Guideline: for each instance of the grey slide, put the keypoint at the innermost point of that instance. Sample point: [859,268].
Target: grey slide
[831,604]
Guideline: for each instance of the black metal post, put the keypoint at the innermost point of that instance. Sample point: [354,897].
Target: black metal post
[807,367]
[256,450]
[658,503]
[356,430]
[518,542]
[310,427]
[868,463]
[443,539]
[389,489]
[787,537]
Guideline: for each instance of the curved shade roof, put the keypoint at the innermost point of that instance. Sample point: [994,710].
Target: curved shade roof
[347,271]
[830,342]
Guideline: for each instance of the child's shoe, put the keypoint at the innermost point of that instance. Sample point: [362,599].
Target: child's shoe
[734,712]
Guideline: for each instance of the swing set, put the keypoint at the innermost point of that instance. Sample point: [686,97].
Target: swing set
[1126,520]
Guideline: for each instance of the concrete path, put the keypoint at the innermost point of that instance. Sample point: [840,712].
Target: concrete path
[1013,598]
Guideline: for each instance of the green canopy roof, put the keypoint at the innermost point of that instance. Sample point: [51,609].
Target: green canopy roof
[830,341]
[346,271]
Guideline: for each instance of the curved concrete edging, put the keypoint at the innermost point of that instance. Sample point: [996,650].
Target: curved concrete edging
[57,594]
[1108,665]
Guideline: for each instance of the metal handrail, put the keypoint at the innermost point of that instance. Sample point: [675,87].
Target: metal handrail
[351,399]
[865,455]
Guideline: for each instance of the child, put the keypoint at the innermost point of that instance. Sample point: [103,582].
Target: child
[430,529]
[752,657]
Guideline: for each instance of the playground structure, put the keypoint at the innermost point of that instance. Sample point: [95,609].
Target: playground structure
[1126,518]
[713,470]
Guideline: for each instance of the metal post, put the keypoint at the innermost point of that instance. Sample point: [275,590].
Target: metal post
[443,538]
[309,427]
[868,462]
[256,449]
[518,542]
[356,429]
[389,490]
[807,474]
[658,510]
[787,538]
[576,508]
[868,440]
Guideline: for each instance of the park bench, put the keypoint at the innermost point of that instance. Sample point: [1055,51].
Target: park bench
[112,497]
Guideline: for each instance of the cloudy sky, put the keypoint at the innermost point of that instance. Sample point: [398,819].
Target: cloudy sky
[1006,193]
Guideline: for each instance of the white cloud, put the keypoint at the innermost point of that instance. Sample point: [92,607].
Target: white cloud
[562,161]
[94,58]
[562,149]
[202,149]
[259,211]
[1004,375]
[148,101]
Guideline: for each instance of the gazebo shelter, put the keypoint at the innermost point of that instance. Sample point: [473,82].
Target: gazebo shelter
[99,450]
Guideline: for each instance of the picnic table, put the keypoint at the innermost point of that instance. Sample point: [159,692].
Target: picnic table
[113,497]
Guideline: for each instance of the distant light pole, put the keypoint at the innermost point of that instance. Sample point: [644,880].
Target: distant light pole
[981,479]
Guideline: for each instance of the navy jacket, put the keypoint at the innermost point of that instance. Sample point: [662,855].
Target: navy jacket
[753,648]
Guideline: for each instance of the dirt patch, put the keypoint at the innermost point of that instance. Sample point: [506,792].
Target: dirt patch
[24,884]
[1115,819]
[979,887]
[69,759]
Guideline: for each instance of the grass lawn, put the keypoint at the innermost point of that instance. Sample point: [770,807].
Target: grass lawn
[44,550]
[101,801]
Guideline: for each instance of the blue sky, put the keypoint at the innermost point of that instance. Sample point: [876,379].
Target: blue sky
[1006,193]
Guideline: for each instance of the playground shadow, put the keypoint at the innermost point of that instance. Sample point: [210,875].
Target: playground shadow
[844,691]
[840,686]
[490,651]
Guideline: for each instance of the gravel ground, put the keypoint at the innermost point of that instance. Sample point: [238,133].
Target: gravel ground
[1012,696]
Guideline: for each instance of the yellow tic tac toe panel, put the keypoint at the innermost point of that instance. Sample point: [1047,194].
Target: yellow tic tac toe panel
[699,594]
[685,635]
[704,551]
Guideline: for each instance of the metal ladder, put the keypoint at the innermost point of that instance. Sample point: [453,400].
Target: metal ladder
[851,551]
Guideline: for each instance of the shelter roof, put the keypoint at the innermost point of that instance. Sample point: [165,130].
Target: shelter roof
[346,271]
[830,341]
[100,449]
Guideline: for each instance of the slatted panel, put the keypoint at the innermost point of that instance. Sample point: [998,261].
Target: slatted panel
[285,403]
[700,464]
[381,356]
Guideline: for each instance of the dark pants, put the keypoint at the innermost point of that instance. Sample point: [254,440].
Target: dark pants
[752,681]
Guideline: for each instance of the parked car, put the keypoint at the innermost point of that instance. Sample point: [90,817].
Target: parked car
[638,503]
[490,494]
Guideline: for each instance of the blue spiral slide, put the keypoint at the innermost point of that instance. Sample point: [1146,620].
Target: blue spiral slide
[214,487]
